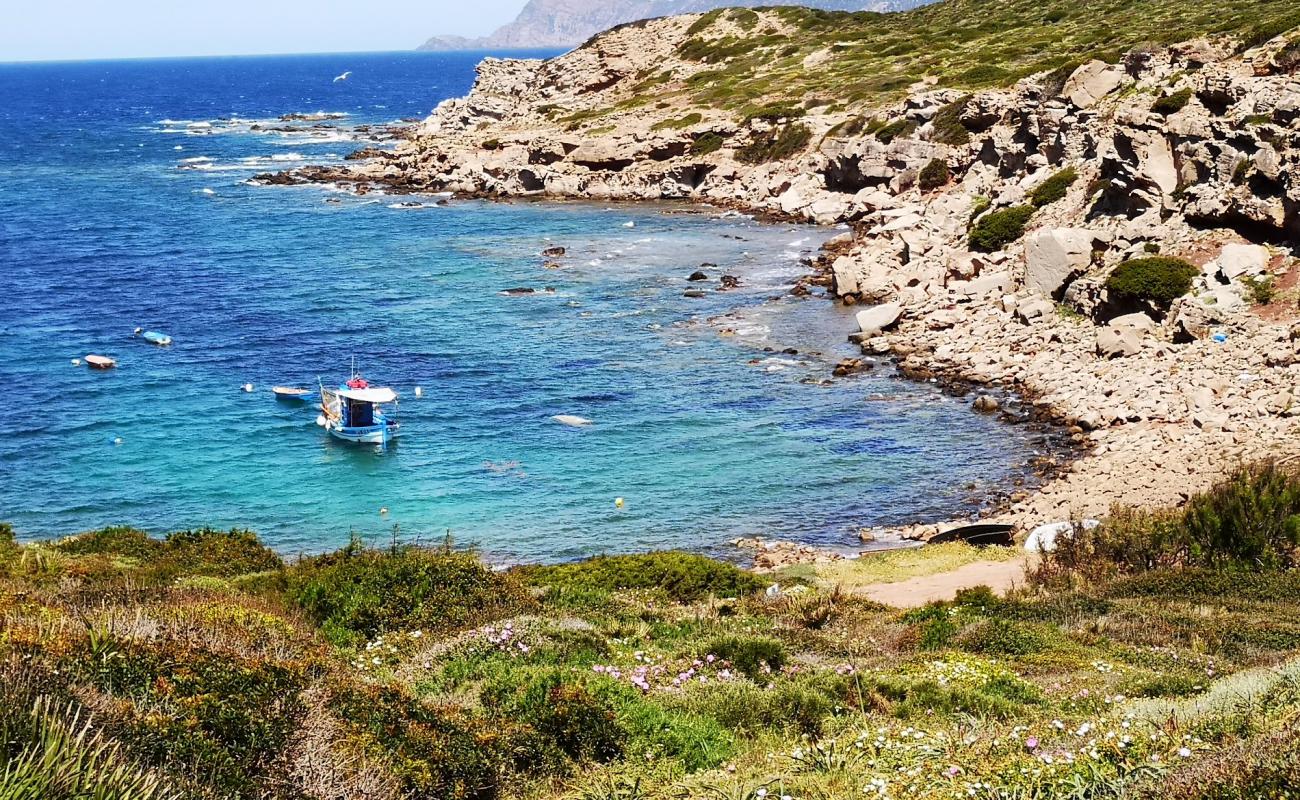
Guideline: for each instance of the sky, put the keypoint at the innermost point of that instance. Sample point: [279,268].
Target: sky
[43,30]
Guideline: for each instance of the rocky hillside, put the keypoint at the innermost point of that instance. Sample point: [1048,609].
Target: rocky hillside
[568,23]
[1097,206]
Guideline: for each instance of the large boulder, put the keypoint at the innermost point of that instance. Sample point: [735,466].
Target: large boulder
[1237,260]
[1091,82]
[877,319]
[1114,342]
[1056,256]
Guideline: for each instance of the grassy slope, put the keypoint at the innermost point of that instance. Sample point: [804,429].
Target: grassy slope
[373,673]
[872,58]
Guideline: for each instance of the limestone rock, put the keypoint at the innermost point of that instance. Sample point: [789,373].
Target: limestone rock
[1115,342]
[877,319]
[1091,82]
[1054,257]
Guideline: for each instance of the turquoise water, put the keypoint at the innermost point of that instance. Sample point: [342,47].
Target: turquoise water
[126,202]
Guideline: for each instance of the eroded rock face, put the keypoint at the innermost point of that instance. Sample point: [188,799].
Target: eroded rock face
[1091,82]
[1056,256]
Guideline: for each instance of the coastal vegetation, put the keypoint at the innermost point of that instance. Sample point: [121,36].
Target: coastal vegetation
[1157,279]
[1152,656]
[867,58]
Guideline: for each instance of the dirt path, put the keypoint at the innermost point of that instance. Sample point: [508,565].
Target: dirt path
[1000,576]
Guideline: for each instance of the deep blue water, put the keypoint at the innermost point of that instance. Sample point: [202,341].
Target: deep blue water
[124,202]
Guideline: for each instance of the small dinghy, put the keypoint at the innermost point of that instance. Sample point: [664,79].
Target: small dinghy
[100,362]
[982,535]
[290,393]
[154,337]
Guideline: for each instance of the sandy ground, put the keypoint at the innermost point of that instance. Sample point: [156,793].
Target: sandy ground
[1000,576]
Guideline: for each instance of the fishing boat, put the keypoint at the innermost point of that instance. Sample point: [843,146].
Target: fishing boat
[290,393]
[154,337]
[100,362]
[979,535]
[355,412]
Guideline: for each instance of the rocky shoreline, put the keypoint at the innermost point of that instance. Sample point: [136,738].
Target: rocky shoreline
[986,228]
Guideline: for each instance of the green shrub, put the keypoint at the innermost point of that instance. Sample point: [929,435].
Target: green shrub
[1054,188]
[1005,638]
[1157,279]
[936,625]
[358,593]
[978,205]
[756,657]
[491,144]
[706,143]
[9,548]
[775,145]
[893,130]
[684,577]
[1261,289]
[774,112]
[577,723]
[1000,228]
[934,175]
[1172,103]
[947,126]
[982,75]
[1248,521]
[1252,518]
[687,121]
[436,751]
[190,709]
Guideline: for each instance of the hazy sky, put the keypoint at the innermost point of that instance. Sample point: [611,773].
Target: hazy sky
[72,29]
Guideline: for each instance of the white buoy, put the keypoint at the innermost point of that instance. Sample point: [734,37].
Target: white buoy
[418,391]
[320,420]
[629,224]
[118,440]
[383,511]
[248,387]
[618,502]
[76,362]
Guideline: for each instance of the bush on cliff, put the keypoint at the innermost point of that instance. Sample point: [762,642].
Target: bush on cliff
[359,592]
[706,143]
[1172,103]
[777,144]
[1157,279]
[934,175]
[1000,228]
[1054,188]
[893,130]
[946,125]
[682,576]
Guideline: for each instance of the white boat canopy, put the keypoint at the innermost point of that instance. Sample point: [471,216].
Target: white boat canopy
[375,395]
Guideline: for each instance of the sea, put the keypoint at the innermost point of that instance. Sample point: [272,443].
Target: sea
[127,201]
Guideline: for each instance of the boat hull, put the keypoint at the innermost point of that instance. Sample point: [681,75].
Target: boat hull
[373,434]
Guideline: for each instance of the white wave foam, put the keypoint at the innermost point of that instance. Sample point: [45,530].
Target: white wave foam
[195,159]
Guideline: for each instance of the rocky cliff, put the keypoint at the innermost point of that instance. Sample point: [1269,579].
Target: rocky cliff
[995,231]
[568,23]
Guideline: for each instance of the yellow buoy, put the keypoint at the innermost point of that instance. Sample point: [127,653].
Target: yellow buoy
[618,502]
[383,512]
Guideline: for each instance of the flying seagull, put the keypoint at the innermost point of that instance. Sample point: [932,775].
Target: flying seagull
[343,77]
